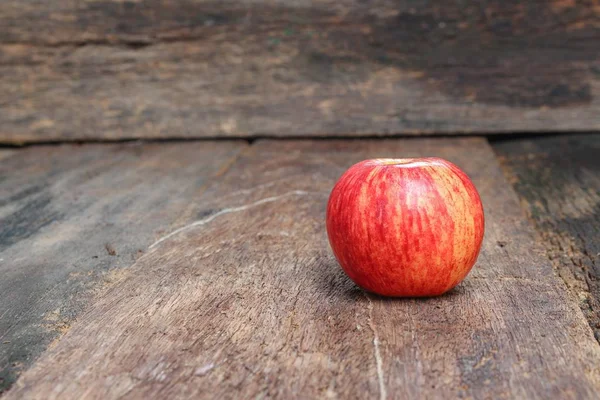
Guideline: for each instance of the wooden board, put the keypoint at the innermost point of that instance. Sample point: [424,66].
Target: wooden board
[558,180]
[115,69]
[72,217]
[245,300]
[5,153]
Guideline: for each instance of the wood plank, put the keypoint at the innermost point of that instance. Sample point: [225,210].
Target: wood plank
[247,301]
[73,218]
[558,181]
[112,69]
[5,153]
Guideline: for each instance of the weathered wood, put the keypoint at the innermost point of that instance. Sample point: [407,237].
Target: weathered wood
[72,217]
[113,69]
[6,153]
[558,180]
[245,300]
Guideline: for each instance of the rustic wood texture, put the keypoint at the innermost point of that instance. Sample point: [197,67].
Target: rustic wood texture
[72,217]
[4,153]
[111,69]
[558,180]
[245,300]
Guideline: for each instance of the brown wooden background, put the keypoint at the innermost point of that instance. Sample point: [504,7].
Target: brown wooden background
[159,269]
[115,69]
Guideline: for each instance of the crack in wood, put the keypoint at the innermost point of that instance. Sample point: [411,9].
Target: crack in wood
[231,210]
[376,352]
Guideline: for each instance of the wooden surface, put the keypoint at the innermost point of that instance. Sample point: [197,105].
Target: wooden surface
[558,180]
[114,69]
[242,298]
[71,217]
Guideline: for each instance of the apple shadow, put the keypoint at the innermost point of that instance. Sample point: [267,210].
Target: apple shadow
[452,293]
[331,281]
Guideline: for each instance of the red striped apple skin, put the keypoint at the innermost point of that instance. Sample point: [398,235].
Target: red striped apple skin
[405,227]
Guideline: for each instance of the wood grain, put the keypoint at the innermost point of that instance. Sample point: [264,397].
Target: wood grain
[558,181]
[73,217]
[117,69]
[5,153]
[245,300]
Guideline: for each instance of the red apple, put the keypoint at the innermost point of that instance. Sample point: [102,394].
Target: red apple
[405,227]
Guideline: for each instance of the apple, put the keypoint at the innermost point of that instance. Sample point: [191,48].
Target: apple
[405,227]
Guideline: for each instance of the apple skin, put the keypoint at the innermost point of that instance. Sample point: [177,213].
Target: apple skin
[405,227]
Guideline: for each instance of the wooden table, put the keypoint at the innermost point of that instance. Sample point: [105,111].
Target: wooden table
[162,231]
[183,269]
